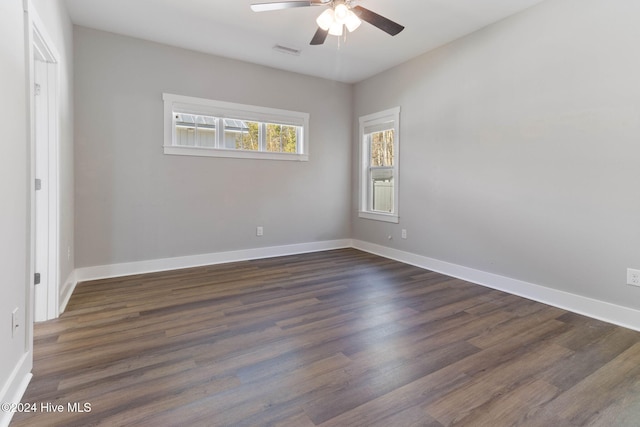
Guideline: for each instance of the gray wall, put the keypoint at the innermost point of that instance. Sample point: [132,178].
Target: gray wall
[520,148]
[14,193]
[134,203]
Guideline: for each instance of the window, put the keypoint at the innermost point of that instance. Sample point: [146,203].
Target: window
[203,127]
[379,140]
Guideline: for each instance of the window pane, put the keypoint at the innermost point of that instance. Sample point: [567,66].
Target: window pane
[382,189]
[382,148]
[194,130]
[233,130]
[206,137]
[186,136]
[281,138]
[241,134]
[379,145]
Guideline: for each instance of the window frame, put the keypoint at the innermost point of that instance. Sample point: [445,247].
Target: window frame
[377,122]
[227,110]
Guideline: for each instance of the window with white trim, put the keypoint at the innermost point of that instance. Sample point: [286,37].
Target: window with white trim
[379,142]
[204,127]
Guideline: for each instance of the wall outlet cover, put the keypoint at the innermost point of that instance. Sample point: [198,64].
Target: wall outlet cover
[633,277]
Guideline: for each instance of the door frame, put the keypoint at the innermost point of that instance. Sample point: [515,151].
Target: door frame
[40,45]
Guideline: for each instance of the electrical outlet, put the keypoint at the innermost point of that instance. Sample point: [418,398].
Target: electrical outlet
[259,231]
[404,233]
[633,277]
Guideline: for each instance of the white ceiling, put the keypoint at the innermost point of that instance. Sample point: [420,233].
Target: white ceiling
[230,28]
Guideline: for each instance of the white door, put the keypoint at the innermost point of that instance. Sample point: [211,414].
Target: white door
[42,184]
[45,158]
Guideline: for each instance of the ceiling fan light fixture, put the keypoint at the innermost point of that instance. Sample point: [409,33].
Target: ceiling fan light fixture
[336,29]
[352,22]
[326,19]
[334,20]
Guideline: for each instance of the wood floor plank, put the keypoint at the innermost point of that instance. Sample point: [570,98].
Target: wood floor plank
[334,338]
[613,382]
[586,360]
[383,374]
[412,417]
[506,408]
[492,384]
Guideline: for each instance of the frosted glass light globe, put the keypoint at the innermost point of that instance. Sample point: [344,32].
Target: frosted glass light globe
[341,13]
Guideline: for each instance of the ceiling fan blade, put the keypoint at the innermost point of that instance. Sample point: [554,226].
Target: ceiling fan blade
[385,24]
[278,5]
[319,37]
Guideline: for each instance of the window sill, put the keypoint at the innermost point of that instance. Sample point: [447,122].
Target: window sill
[235,154]
[377,216]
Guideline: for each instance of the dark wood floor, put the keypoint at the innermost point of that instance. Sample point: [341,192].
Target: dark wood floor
[338,338]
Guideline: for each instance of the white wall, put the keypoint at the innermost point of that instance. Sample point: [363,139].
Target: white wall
[15,186]
[520,148]
[14,193]
[134,203]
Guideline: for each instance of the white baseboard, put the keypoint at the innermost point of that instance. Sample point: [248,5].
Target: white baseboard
[601,310]
[67,290]
[165,264]
[15,387]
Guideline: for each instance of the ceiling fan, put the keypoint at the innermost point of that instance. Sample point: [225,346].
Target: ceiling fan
[340,14]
